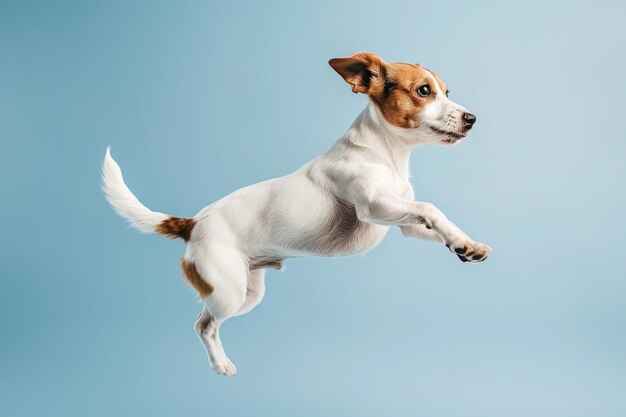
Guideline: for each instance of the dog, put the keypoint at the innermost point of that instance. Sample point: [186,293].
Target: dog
[340,203]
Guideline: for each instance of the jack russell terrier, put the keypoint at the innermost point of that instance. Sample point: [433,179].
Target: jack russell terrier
[340,203]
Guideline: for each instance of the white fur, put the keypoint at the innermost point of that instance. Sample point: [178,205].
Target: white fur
[123,200]
[366,172]
[442,114]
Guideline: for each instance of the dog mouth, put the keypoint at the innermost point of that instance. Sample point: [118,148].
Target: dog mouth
[448,136]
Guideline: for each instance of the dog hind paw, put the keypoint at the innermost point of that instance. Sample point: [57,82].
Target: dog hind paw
[225,367]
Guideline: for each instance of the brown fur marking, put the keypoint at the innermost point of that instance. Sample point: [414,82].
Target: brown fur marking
[401,105]
[195,280]
[442,85]
[392,86]
[174,227]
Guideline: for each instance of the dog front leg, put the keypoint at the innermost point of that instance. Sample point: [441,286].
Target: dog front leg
[420,231]
[417,218]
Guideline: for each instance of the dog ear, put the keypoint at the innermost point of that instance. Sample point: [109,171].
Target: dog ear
[359,70]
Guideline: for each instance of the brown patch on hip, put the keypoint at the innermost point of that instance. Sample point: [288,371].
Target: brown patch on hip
[174,227]
[195,280]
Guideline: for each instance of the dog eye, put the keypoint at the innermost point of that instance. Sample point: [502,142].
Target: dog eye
[447,92]
[423,90]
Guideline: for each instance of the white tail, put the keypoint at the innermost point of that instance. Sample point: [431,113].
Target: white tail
[124,202]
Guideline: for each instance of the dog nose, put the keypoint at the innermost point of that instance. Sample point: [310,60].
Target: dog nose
[469,119]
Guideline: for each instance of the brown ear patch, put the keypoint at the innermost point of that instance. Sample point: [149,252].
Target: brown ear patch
[174,227]
[194,279]
[358,70]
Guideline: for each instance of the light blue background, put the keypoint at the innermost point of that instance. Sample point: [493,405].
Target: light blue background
[198,99]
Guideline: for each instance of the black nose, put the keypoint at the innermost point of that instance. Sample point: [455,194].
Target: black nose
[469,119]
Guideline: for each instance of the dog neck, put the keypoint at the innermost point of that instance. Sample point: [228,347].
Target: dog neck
[393,144]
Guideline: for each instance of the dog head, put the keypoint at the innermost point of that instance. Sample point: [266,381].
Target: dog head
[409,96]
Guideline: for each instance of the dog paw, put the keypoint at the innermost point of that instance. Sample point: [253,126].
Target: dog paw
[225,367]
[469,251]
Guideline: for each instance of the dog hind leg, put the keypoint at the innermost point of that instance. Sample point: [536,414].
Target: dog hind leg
[255,291]
[208,328]
[225,274]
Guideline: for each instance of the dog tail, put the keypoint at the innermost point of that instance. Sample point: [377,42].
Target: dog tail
[129,207]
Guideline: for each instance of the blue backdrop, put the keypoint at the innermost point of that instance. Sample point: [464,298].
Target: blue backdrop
[95,319]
